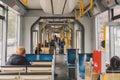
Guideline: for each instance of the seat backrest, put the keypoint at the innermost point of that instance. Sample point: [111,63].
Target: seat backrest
[112,76]
[39,69]
[41,63]
[81,65]
[31,57]
[13,68]
[9,76]
[71,56]
[36,76]
[46,57]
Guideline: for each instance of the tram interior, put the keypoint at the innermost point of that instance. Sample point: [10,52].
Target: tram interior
[76,39]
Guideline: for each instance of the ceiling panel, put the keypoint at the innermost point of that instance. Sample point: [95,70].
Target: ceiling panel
[58,6]
[34,4]
[70,5]
[46,6]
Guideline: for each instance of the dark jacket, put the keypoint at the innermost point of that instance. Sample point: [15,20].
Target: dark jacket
[17,60]
[40,50]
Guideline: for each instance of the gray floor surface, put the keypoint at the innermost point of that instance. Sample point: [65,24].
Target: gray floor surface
[61,68]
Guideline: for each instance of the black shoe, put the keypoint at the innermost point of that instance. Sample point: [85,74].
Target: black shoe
[55,75]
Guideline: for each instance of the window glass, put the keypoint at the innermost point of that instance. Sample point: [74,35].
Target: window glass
[12,33]
[117,12]
[0,35]
[100,22]
[0,39]
[117,40]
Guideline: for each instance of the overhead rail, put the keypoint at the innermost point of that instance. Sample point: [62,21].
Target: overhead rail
[82,9]
[25,2]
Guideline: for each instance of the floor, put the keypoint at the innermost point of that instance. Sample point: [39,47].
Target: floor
[61,68]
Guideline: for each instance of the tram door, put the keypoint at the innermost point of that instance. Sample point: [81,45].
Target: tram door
[113,39]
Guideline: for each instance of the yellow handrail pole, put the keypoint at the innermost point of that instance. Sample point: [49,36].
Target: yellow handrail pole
[105,36]
[81,6]
[68,35]
[25,2]
[90,7]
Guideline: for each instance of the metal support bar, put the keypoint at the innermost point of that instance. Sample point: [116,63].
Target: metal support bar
[82,9]
[4,40]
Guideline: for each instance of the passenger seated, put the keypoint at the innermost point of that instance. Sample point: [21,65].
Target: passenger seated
[18,58]
[38,49]
[114,63]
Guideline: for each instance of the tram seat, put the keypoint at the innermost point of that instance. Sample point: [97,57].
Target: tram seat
[89,74]
[40,57]
[9,76]
[13,68]
[36,76]
[71,58]
[83,66]
[41,63]
[112,75]
[45,50]
[39,68]
[46,57]
[31,57]
[81,62]
[26,76]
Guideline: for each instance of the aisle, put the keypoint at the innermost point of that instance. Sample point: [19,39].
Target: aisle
[60,68]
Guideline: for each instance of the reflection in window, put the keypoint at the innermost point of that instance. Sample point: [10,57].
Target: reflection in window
[0,39]
[101,20]
[117,12]
[12,33]
[117,41]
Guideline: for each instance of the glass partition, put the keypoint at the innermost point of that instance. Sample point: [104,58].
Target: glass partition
[12,33]
[0,40]
[117,40]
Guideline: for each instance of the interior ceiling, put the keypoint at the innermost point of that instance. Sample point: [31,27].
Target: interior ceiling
[34,4]
[54,6]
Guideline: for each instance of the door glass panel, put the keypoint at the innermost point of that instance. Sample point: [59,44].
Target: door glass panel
[12,33]
[117,40]
[0,39]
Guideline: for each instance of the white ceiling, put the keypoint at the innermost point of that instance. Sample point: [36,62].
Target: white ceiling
[34,4]
[57,5]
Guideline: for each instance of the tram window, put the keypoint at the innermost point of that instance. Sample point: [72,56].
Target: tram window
[100,21]
[12,33]
[117,41]
[116,12]
[0,39]
[1,10]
